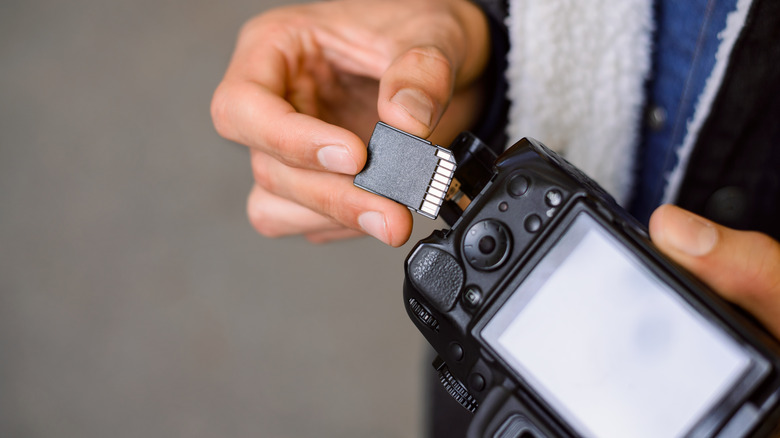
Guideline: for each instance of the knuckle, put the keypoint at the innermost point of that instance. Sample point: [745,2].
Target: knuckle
[432,57]
[284,145]
[430,52]
[333,205]
[249,27]
[761,275]
[263,224]
[290,146]
[258,24]
[262,174]
[220,117]
[273,25]
[432,70]
[261,217]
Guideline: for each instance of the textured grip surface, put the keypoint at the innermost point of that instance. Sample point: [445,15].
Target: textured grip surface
[437,276]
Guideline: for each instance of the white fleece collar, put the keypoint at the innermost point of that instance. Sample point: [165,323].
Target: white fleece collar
[576,76]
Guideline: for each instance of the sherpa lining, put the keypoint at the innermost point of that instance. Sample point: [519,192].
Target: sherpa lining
[576,81]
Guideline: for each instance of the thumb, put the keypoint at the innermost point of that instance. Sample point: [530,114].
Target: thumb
[415,90]
[742,266]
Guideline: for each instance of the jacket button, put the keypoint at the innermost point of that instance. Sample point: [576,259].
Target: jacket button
[727,205]
[655,117]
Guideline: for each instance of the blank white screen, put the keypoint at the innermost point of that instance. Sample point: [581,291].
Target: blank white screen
[613,349]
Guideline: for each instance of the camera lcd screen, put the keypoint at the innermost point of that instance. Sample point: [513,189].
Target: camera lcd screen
[609,345]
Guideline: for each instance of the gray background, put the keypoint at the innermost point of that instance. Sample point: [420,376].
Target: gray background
[135,298]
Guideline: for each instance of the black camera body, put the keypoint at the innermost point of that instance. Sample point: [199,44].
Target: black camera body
[554,316]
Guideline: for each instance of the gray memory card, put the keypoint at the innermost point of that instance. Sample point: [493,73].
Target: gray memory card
[407,169]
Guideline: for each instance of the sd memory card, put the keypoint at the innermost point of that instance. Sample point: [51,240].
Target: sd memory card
[407,169]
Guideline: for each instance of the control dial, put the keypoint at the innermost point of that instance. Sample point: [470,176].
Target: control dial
[454,387]
[486,244]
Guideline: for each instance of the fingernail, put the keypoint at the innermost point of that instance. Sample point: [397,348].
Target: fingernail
[692,235]
[415,103]
[337,159]
[373,223]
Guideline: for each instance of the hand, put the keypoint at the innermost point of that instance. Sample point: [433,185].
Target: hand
[742,266]
[306,85]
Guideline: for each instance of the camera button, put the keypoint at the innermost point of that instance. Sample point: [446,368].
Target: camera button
[487,244]
[472,297]
[553,198]
[518,185]
[533,223]
[456,352]
[476,382]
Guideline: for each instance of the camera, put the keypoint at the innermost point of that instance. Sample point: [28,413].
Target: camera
[553,315]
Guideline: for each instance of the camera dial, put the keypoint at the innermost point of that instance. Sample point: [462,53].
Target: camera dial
[486,245]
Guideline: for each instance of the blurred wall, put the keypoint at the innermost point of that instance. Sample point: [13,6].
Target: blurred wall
[135,298]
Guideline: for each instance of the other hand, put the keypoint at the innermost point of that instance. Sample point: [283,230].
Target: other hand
[306,85]
[742,266]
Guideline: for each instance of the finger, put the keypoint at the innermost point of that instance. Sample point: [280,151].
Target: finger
[273,216]
[330,236]
[250,114]
[742,266]
[450,53]
[416,89]
[251,104]
[336,197]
